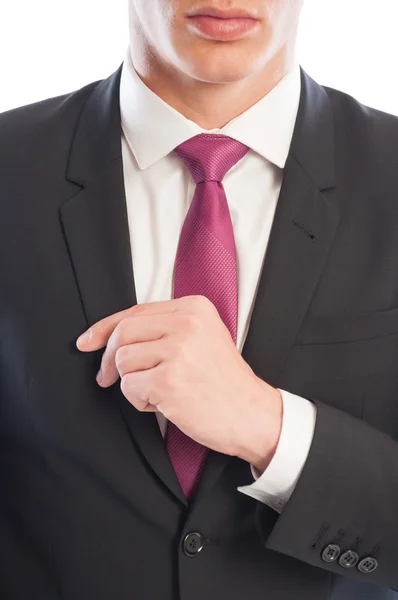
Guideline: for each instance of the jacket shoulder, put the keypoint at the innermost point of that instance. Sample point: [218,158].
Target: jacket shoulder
[41,128]
[370,130]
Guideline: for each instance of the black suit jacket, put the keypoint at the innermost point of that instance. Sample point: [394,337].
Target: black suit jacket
[90,507]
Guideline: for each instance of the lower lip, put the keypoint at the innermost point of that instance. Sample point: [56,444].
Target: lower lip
[222,29]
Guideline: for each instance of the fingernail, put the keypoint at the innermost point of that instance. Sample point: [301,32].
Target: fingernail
[84,338]
[99,376]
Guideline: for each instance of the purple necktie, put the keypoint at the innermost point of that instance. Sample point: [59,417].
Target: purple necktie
[205,265]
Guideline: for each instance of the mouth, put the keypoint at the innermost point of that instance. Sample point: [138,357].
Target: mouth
[233,13]
[222,25]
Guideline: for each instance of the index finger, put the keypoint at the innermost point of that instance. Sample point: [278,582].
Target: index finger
[98,335]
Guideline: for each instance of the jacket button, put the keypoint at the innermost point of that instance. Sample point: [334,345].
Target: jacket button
[348,559]
[368,564]
[193,543]
[331,553]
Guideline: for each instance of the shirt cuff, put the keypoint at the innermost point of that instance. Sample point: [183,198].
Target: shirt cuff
[275,486]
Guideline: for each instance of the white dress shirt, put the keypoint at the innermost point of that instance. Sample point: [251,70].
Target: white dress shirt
[159,189]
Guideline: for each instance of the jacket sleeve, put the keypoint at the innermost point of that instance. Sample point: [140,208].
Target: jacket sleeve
[343,513]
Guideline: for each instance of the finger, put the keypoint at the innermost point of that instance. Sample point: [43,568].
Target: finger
[97,336]
[129,331]
[135,387]
[130,358]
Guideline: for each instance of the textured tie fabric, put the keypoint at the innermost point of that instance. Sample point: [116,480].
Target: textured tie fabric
[205,265]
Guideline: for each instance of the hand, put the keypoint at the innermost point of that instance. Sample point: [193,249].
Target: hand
[178,357]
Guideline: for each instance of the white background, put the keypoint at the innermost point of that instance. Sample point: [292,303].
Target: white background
[51,47]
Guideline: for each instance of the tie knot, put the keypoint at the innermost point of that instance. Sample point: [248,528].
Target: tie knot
[210,156]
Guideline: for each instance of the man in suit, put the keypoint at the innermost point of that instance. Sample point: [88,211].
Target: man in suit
[222,231]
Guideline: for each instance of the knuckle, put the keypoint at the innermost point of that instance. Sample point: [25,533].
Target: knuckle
[120,333]
[134,390]
[124,384]
[191,322]
[121,356]
[137,309]
[128,388]
[202,303]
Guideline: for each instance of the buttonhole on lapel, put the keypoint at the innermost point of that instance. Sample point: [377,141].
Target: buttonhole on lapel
[308,233]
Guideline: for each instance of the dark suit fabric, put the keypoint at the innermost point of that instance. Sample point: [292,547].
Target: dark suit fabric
[90,507]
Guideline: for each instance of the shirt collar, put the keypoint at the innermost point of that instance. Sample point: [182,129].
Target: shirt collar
[153,128]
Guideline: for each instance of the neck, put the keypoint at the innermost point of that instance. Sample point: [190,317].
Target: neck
[210,105]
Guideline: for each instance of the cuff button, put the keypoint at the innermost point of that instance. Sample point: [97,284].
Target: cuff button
[331,553]
[348,559]
[367,565]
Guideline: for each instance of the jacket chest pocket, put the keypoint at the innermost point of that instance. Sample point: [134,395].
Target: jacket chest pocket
[351,364]
[347,328]
[348,346]
[345,360]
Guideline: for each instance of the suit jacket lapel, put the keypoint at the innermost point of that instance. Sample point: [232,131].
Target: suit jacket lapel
[302,234]
[305,224]
[95,227]
[96,231]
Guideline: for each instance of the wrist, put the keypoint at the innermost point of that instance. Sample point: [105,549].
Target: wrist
[264,427]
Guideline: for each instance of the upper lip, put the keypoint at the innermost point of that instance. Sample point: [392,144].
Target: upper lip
[233,13]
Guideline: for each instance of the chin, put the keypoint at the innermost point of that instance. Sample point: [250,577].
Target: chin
[222,77]
[221,71]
